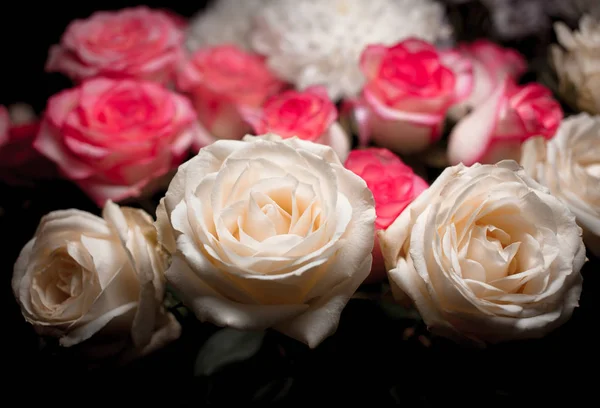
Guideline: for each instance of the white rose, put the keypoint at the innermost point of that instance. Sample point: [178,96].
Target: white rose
[84,277]
[486,254]
[266,233]
[577,63]
[569,165]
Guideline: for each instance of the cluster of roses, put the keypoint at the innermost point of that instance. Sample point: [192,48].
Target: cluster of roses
[279,230]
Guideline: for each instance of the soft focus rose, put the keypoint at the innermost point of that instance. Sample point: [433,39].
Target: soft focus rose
[409,88]
[96,281]
[491,64]
[486,254]
[577,63]
[569,165]
[222,81]
[268,232]
[20,163]
[131,43]
[308,114]
[113,137]
[496,129]
[394,185]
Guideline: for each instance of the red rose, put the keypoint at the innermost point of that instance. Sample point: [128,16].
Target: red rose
[222,81]
[309,115]
[410,87]
[131,43]
[495,130]
[491,64]
[112,137]
[20,163]
[394,186]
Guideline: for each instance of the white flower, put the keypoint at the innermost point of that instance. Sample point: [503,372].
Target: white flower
[486,254]
[314,42]
[569,165]
[268,232]
[100,281]
[577,64]
[223,22]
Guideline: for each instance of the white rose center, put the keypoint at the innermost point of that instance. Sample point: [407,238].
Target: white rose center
[270,216]
[494,248]
[59,286]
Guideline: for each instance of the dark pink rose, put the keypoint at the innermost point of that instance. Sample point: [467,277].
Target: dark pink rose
[410,87]
[394,186]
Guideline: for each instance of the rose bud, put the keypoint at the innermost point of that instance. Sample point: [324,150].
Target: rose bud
[114,137]
[497,128]
[268,232]
[309,115]
[491,64]
[486,254]
[96,282]
[222,81]
[394,185]
[131,43]
[410,87]
[20,163]
[569,165]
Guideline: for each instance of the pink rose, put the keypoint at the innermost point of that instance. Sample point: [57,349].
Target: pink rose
[20,163]
[131,43]
[410,87]
[222,81]
[112,137]
[495,130]
[394,186]
[491,64]
[309,115]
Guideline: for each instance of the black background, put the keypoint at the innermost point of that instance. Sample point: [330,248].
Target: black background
[367,361]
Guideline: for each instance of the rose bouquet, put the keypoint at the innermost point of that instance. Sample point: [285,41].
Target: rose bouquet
[261,181]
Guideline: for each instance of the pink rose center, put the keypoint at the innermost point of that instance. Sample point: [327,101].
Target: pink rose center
[420,73]
[125,110]
[300,115]
[393,184]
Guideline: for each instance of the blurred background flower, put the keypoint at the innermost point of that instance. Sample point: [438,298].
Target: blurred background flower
[313,42]
[577,64]
[223,22]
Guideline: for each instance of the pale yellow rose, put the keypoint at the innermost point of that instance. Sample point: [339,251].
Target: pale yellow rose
[486,254]
[577,63]
[569,165]
[96,281]
[267,232]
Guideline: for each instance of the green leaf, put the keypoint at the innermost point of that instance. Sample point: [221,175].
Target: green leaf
[225,347]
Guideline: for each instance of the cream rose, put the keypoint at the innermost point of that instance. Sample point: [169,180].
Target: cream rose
[569,165]
[83,278]
[486,254]
[268,232]
[577,63]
